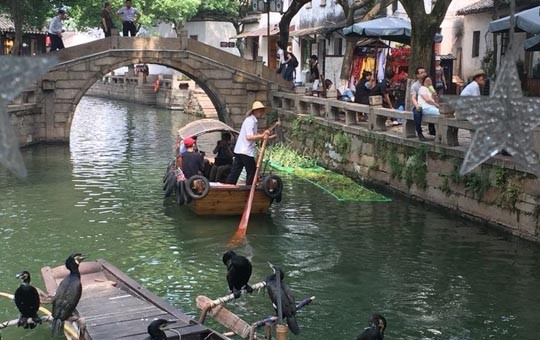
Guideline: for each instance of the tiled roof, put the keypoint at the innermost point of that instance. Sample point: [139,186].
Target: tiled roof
[477,7]
[6,25]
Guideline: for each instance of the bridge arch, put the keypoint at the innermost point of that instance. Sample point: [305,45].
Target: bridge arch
[231,82]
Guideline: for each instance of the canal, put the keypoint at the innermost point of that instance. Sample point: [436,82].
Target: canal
[432,274]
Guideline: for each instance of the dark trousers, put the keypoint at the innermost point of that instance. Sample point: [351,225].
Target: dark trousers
[417,116]
[241,161]
[56,42]
[129,27]
[107,33]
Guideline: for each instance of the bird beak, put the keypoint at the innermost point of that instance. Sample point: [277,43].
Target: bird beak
[169,322]
[272,266]
[19,276]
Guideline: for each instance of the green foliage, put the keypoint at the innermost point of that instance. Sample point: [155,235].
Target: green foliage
[415,170]
[478,183]
[501,177]
[396,167]
[289,158]
[510,194]
[446,187]
[340,186]
[342,143]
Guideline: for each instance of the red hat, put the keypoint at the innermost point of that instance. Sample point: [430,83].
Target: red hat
[189,142]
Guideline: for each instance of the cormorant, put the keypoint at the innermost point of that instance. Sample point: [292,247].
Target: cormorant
[288,305]
[375,331]
[238,272]
[68,293]
[27,301]
[155,329]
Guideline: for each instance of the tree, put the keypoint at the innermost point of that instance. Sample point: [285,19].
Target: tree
[423,29]
[227,10]
[285,21]
[26,14]
[350,10]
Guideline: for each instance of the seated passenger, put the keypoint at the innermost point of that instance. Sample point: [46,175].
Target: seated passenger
[426,100]
[224,154]
[192,162]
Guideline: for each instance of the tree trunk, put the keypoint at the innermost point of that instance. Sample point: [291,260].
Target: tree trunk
[421,44]
[16,16]
[285,21]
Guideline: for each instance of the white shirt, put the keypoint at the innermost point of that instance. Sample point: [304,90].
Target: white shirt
[56,25]
[127,14]
[249,128]
[281,55]
[424,90]
[473,89]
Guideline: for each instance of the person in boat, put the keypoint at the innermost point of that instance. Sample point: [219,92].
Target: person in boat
[224,159]
[192,161]
[245,145]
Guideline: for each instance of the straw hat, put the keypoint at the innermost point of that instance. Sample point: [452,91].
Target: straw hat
[478,72]
[258,105]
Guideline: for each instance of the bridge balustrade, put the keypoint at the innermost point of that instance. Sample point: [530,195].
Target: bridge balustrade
[372,118]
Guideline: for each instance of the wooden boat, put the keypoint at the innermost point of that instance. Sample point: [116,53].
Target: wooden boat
[214,198]
[115,306]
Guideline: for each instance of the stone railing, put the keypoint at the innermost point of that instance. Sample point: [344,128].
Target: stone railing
[374,117]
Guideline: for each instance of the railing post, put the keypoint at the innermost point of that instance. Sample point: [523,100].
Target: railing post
[184,40]
[350,117]
[446,134]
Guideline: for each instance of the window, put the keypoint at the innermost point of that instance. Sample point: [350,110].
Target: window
[476,44]
[338,47]
[194,37]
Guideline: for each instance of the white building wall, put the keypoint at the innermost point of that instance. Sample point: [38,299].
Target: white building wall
[213,33]
[471,23]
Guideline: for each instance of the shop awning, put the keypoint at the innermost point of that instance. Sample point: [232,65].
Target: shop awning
[388,28]
[526,21]
[371,43]
[533,44]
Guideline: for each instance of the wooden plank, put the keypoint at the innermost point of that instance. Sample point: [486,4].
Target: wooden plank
[137,329]
[230,202]
[225,317]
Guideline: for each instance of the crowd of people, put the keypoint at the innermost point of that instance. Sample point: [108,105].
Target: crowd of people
[128,15]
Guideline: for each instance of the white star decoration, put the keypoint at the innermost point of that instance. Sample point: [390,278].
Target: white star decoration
[503,121]
[17,73]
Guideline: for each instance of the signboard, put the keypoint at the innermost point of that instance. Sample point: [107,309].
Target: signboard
[230,44]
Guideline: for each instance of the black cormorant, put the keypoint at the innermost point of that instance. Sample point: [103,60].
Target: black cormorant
[155,329]
[375,331]
[27,301]
[288,305]
[68,293]
[238,272]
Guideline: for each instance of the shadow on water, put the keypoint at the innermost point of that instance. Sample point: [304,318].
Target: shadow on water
[432,274]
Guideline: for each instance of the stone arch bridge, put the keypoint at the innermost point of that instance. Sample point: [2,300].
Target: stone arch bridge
[231,82]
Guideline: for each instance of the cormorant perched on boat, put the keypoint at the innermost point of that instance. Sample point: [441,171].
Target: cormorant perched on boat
[288,305]
[155,329]
[27,301]
[238,272]
[375,331]
[68,293]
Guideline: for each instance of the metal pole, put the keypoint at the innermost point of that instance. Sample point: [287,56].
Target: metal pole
[279,307]
[268,31]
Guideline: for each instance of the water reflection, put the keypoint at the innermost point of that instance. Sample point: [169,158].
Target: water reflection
[431,274]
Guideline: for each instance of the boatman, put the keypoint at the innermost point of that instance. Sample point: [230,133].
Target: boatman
[245,145]
[129,17]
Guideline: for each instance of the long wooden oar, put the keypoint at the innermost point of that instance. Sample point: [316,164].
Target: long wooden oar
[242,226]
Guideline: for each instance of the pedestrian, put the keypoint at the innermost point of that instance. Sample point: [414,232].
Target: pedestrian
[314,72]
[280,59]
[129,16]
[363,88]
[56,30]
[382,87]
[290,64]
[145,72]
[107,23]
[440,80]
[417,108]
[245,145]
[473,89]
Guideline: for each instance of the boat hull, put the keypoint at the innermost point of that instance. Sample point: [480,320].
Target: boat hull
[226,199]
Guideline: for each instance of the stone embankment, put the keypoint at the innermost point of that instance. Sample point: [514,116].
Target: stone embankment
[169,93]
[354,139]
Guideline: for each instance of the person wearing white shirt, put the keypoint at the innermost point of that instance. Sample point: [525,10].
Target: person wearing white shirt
[56,30]
[245,148]
[473,89]
[425,98]
[129,17]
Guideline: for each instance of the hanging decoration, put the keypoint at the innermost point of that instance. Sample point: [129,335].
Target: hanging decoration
[17,74]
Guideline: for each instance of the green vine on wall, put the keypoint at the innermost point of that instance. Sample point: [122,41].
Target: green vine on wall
[342,143]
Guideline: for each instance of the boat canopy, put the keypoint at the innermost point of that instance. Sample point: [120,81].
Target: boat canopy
[202,126]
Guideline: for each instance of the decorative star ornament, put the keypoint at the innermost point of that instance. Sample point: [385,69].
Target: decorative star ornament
[17,73]
[503,121]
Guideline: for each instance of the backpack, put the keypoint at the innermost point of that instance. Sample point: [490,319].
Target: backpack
[294,61]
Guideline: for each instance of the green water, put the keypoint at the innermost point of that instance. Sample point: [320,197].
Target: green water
[433,275]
